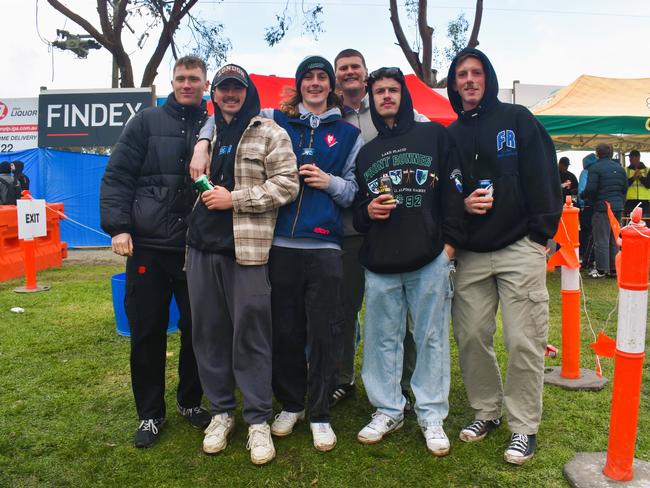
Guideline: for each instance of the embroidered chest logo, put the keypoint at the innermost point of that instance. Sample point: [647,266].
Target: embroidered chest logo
[373,186]
[506,143]
[395,176]
[225,150]
[330,140]
[457,177]
[421,176]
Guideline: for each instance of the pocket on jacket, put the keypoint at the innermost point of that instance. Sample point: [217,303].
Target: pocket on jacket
[150,210]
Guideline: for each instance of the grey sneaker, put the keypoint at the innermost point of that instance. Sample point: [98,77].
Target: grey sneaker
[379,426]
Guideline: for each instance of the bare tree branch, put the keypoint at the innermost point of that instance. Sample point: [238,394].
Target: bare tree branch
[411,56]
[78,19]
[426,34]
[179,10]
[478,15]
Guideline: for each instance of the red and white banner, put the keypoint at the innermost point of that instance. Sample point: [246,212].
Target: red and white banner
[18,124]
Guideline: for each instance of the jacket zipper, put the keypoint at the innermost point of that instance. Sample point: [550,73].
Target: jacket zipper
[302,187]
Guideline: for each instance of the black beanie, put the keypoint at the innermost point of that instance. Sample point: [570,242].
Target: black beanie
[314,62]
[5,167]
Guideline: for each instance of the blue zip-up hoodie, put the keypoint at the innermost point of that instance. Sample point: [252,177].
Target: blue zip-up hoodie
[316,214]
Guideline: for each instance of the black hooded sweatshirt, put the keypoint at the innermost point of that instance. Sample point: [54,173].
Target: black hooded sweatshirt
[504,143]
[211,230]
[427,184]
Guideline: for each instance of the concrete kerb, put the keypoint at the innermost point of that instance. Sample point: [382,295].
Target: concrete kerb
[588,380]
[585,470]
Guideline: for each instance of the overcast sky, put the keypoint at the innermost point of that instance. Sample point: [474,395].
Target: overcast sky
[551,42]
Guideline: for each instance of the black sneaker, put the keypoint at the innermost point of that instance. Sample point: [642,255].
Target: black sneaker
[198,417]
[520,449]
[342,392]
[148,432]
[478,429]
[408,407]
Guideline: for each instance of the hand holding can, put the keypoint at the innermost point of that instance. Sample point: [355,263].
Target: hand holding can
[386,188]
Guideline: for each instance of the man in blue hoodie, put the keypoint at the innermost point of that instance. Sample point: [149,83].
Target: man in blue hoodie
[512,206]
[411,231]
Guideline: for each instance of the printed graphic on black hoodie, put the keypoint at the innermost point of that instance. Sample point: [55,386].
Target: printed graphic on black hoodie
[504,143]
[426,182]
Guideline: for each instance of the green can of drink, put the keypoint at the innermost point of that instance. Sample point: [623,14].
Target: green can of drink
[202,183]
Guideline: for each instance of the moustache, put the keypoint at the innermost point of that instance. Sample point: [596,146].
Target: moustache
[231,100]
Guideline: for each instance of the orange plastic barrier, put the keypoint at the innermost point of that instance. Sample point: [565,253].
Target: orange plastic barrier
[567,257]
[50,251]
[630,349]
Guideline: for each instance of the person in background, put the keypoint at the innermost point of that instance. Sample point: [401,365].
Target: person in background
[638,180]
[145,195]
[606,183]
[568,180]
[23,179]
[587,258]
[9,186]
[351,75]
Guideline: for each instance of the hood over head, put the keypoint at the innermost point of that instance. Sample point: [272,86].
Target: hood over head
[589,160]
[19,166]
[491,83]
[5,167]
[251,105]
[404,119]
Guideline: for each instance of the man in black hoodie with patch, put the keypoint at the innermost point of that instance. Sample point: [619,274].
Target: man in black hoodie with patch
[410,208]
[512,206]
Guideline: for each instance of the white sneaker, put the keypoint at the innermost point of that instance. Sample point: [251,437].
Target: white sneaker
[285,421]
[217,433]
[323,435]
[437,440]
[379,426]
[260,444]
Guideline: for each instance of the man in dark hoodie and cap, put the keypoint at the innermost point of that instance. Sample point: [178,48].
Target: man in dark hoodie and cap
[410,208]
[253,170]
[512,207]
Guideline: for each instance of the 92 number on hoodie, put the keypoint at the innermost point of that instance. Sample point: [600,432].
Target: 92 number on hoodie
[413,201]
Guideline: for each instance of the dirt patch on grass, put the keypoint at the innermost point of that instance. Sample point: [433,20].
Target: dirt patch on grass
[93,255]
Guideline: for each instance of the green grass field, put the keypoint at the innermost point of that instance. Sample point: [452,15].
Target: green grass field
[67,416]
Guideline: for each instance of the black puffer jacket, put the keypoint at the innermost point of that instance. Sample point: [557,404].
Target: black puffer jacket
[606,182]
[146,189]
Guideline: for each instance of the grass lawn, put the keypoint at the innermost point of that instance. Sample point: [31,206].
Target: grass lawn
[67,416]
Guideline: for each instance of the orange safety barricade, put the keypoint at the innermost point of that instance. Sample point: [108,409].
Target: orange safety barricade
[50,251]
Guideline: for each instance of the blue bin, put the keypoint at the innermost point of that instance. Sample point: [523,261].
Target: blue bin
[118,288]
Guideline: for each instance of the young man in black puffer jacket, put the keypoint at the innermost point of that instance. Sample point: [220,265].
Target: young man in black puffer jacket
[145,195]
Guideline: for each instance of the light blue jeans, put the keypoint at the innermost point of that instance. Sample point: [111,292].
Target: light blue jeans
[426,293]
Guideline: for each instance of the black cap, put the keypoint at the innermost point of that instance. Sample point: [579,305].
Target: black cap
[635,152]
[564,160]
[230,72]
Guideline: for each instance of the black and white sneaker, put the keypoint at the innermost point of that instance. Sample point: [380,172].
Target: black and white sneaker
[198,417]
[478,429]
[520,449]
[148,432]
[343,391]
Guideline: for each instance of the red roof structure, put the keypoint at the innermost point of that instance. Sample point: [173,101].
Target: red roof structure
[273,89]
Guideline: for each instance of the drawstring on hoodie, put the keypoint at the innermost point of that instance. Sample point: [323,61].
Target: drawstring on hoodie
[314,120]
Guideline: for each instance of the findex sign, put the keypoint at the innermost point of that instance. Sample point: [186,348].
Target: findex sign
[88,117]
